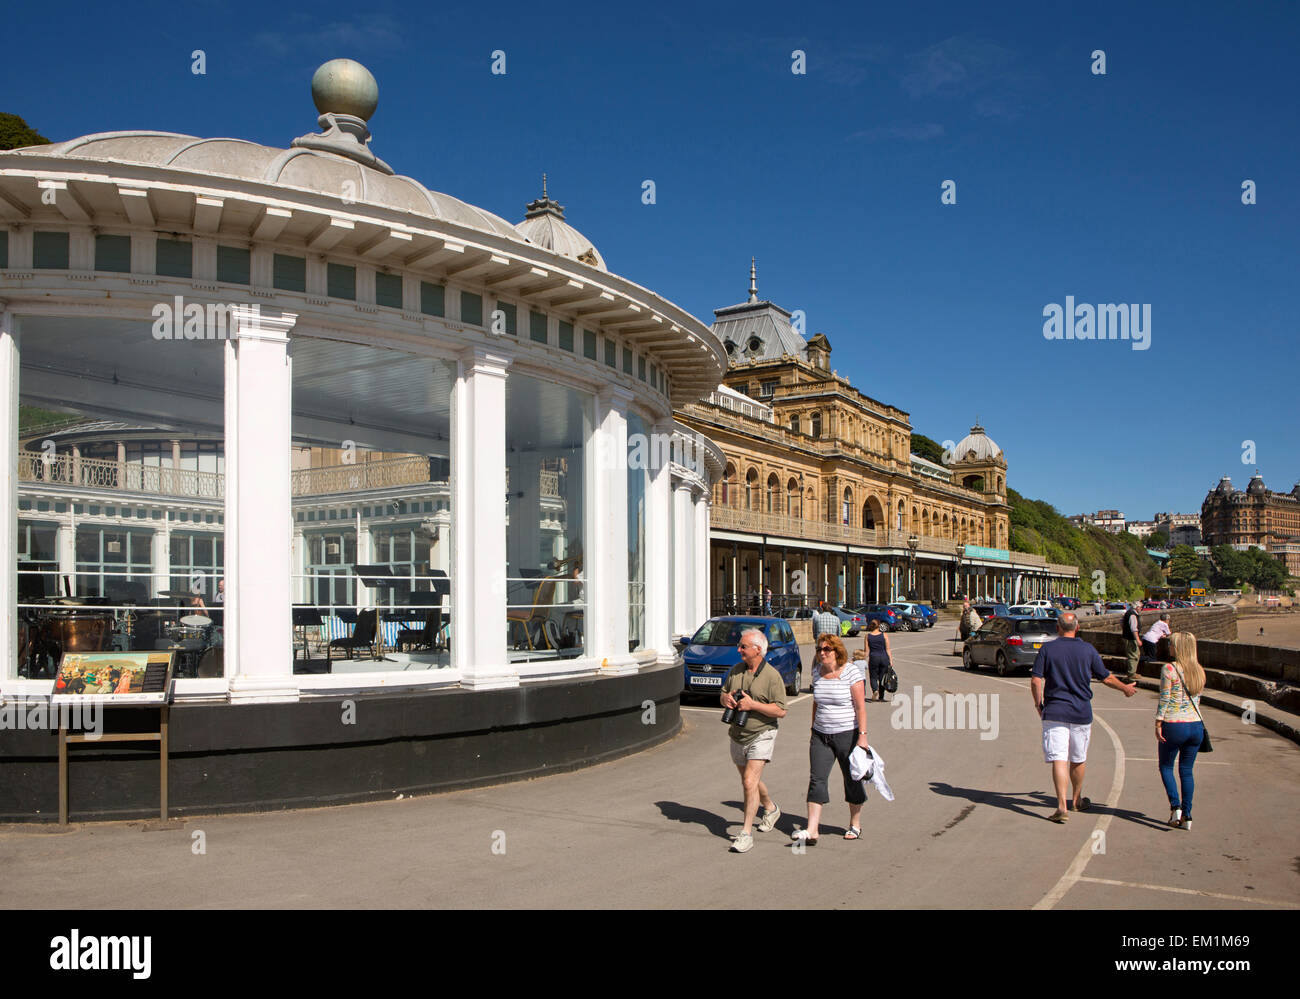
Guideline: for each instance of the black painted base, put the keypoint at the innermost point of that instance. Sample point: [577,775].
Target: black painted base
[337,749]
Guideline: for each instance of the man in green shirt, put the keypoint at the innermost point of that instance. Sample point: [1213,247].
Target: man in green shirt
[756,687]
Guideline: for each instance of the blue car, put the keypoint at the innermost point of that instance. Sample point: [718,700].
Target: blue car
[709,655]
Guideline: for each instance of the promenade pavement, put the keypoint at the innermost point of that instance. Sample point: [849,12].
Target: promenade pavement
[969,828]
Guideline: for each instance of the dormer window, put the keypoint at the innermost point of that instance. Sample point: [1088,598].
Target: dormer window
[755,345]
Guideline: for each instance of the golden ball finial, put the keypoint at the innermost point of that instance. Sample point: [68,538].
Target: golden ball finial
[344,86]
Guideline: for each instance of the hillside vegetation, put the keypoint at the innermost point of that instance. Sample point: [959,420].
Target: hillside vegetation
[1037,528]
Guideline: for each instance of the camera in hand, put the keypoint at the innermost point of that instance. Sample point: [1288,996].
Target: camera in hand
[734,716]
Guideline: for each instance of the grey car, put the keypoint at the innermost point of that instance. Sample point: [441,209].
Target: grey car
[1008,643]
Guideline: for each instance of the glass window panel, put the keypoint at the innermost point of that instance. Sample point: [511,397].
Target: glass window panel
[611,353]
[511,315]
[566,336]
[402,468]
[341,281]
[589,345]
[471,308]
[173,258]
[388,290]
[636,515]
[432,299]
[234,265]
[50,251]
[537,326]
[547,427]
[289,273]
[113,253]
[4,250]
[627,360]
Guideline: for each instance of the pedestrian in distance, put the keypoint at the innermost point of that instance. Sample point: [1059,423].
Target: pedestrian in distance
[1151,640]
[879,659]
[970,621]
[1179,729]
[753,695]
[1062,692]
[1131,629]
[839,724]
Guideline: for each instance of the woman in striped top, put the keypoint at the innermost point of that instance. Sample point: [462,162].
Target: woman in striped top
[1178,724]
[839,724]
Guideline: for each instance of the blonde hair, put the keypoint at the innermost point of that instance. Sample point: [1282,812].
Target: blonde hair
[859,654]
[1183,644]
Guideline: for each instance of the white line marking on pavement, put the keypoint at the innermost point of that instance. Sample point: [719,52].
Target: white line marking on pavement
[1191,891]
[1075,871]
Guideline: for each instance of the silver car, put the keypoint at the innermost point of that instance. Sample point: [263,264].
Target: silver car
[1008,643]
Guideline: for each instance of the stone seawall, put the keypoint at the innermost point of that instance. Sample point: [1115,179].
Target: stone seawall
[1259,672]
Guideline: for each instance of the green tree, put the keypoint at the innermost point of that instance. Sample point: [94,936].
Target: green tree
[1266,572]
[16,133]
[1159,538]
[1184,564]
[927,448]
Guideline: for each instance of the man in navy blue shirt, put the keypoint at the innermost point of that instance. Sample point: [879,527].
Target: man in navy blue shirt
[1062,693]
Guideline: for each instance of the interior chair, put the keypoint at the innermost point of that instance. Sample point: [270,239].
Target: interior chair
[363,636]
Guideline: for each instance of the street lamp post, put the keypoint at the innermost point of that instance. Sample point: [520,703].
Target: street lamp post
[961,554]
[913,543]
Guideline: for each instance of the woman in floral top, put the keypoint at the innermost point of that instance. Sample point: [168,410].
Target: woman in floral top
[1178,724]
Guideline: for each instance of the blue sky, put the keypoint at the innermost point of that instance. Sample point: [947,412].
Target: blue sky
[1115,188]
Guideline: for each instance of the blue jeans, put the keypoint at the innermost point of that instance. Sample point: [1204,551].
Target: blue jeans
[1182,740]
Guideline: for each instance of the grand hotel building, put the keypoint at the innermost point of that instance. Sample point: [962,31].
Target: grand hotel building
[822,498]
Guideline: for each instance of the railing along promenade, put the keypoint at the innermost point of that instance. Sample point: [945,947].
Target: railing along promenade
[132,477]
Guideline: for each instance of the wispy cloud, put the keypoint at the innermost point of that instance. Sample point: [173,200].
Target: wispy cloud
[919,131]
[376,34]
[967,68]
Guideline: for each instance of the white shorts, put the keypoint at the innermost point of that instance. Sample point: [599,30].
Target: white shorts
[1063,741]
[758,747]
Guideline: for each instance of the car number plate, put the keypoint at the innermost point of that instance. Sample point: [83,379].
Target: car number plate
[1038,645]
[706,681]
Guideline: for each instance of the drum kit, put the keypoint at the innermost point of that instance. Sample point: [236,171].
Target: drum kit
[48,627]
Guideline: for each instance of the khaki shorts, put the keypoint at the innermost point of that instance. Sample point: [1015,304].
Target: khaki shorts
[756,747]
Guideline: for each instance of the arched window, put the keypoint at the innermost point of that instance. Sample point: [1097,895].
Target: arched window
[916,520]
[846,509]
[792,499]
[728,495]
[751,489]
[901,513]
[773,494]
[816,429]
[794,424]
[925,522]
[944,532]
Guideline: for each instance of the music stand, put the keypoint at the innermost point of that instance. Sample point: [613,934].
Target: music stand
[377,577]
[306,616]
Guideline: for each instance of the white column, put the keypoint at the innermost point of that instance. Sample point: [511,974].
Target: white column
[9,362]
[683,570]
[160,558]
[659,546]
[607,534]
[65,547]
[259,529]
[479,548]
[703,563]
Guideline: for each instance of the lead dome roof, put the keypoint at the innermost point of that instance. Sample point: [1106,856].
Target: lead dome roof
[306,169]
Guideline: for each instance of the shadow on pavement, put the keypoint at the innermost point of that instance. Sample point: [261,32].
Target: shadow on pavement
[711,821]
[1022,801]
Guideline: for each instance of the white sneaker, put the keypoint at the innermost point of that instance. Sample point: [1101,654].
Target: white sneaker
[768,822]
[742,843]
[1175,817]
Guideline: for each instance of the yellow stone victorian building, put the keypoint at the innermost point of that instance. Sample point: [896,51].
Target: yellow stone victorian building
[822,497]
